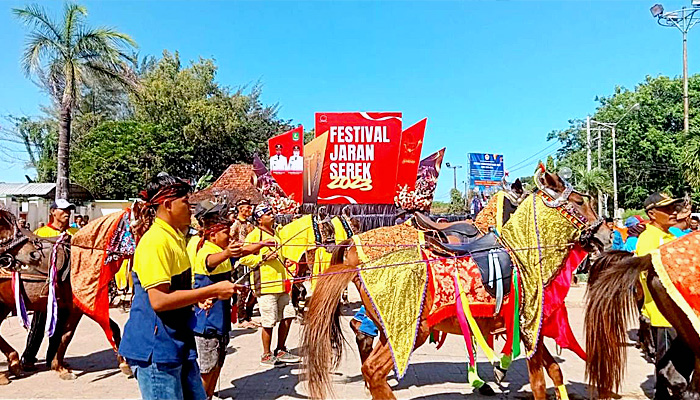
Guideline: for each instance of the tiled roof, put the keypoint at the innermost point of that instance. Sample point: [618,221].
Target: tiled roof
[235,183]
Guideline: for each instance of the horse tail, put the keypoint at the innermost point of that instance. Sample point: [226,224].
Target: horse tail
[610,302]
[322,336]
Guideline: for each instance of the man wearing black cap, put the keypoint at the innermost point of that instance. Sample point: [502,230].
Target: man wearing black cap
[663,211]
[59,222]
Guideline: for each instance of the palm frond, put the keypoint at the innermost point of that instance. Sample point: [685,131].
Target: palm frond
[35,15]
[38,47]
[72,17]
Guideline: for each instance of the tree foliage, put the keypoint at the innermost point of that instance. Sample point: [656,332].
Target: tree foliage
[457,203]
[114,159]
[653,152]
[210,126]
[68,56]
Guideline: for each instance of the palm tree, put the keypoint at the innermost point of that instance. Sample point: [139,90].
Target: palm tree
[691,162]
[593,182]
[68,56]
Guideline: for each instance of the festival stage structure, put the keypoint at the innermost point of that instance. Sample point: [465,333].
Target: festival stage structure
[363,164]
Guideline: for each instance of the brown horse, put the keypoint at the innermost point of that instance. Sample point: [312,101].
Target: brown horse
[31,256]
[322,339]
[23,252]
[610,304]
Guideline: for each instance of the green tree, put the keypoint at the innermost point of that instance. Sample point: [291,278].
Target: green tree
[115,159]
[457,203]
[67,56]
[209,125]
[594,181]
[38,137]
[650,141]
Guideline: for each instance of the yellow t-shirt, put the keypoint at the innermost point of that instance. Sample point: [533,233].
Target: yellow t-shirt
[649,240]
[269,277]
[49,231]
[161,257]
[200,265]
[192,249]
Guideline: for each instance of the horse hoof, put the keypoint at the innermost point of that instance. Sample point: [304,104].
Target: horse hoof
[486,390]
[499,374]
[4,379]
[67,376]
[16,369]
[126,370]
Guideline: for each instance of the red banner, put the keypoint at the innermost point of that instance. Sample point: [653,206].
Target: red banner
[361,159]
[287,161]
[409,155]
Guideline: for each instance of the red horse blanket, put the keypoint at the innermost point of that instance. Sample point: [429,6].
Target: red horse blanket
[442,288]
[677,264]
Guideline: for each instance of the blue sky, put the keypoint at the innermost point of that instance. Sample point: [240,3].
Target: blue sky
[490,76]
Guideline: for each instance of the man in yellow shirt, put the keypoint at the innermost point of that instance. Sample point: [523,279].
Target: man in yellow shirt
[158,341]
[268,275]
[662,210]
[59,222]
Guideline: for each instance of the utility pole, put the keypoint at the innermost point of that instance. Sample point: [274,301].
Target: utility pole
[454,172]
[612,126]
[588,143]
[683,19]
[614,174]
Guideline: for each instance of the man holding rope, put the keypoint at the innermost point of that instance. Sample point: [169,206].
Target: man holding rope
[59,222]
[268,275]
[158,340]
[212,264]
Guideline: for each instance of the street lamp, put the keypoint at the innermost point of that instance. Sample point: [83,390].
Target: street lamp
[454,170]
[612,126]
[683,19]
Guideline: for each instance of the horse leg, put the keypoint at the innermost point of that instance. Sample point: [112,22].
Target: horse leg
[15,366]
[376,369]
[61,343]
[534,369]
[554,372]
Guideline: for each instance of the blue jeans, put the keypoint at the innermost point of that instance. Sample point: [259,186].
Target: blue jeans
[165,381]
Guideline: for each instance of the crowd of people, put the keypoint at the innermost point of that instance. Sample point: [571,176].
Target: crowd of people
[186,269]
[185,275]
[194,259]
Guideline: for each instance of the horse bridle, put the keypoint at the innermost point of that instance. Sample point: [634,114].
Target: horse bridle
[561,202]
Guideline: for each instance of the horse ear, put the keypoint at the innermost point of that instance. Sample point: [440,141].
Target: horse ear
[553,182]
[517,185]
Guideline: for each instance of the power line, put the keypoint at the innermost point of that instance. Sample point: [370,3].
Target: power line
[533,156]
[527,165]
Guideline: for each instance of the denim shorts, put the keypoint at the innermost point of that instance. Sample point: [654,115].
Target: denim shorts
[165,381]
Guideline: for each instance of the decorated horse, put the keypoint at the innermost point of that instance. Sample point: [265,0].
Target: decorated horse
[411,287]
[42,274]
[672,278]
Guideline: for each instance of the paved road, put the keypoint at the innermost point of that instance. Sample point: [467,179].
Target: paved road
[432,375]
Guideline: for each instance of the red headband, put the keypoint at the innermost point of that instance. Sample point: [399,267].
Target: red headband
[170,192]
[212,230]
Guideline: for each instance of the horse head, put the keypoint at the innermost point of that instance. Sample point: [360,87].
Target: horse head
[17,250]
[595,235]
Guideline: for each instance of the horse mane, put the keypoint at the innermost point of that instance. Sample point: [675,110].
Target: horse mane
[610,304]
